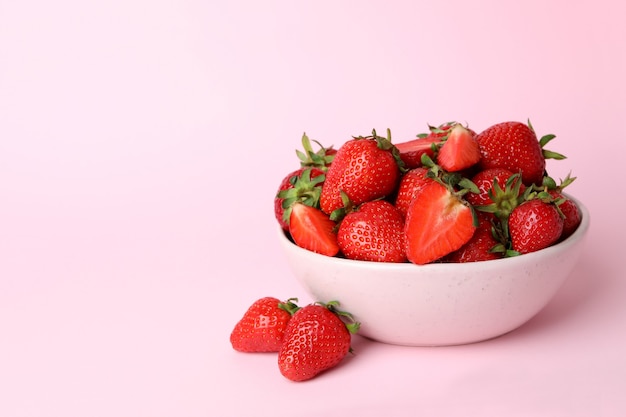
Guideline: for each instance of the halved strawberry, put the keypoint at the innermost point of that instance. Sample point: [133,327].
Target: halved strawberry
[303,185]
[459,151]
[312,229]
[483,246]
[438,222]
[411,151]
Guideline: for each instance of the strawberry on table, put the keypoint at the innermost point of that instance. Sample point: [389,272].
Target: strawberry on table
[364,169]
[263,325]
[438,222]
[312,229]
[533,225]
[316,339]
[373,232]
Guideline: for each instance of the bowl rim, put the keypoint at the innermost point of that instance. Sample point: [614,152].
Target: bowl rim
[578,234]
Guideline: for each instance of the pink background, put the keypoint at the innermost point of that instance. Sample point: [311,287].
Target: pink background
[142,142]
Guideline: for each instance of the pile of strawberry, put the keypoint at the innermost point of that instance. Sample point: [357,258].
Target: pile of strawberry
[450,195]
[309,340]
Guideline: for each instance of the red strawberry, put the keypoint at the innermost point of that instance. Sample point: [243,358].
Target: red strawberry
[459,151]
[571,213]
[438,222]
[514,146]
[364,169]
[410,185]
[481,246]
[534,225]
[316,339]
[411,151]
[485,179]
[262,327]
[373,232]
[568,208]
[312,229]
[302,185]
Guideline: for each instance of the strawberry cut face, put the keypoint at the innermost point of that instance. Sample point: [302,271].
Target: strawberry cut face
[437,223]
[480,246]
[312,229]
[411,151]
[460,151]
[302,185]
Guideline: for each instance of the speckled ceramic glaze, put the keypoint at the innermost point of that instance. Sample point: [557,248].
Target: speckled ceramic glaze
[439,304]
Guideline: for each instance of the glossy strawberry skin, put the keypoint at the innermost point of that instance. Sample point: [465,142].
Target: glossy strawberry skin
[412,182]
[374,232]
[534,225]
[572,214]
[514,146]
[479,247]
[363,171]
[315,340]
[262,327]
[312,229]
[411,151]
[484,181]
[288,183]
[437,223]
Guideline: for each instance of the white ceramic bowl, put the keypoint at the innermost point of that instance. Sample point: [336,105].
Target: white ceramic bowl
[439,304]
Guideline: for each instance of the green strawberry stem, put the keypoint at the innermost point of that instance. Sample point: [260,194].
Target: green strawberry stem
[547,154]
[305,190]
[386,144]
[505,200]
[289,306]
[310,158]
[550,183]
[347,207]
[442,129]
[351,324]
[455,183]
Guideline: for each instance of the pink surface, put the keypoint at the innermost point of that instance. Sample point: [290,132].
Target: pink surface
[141,143]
